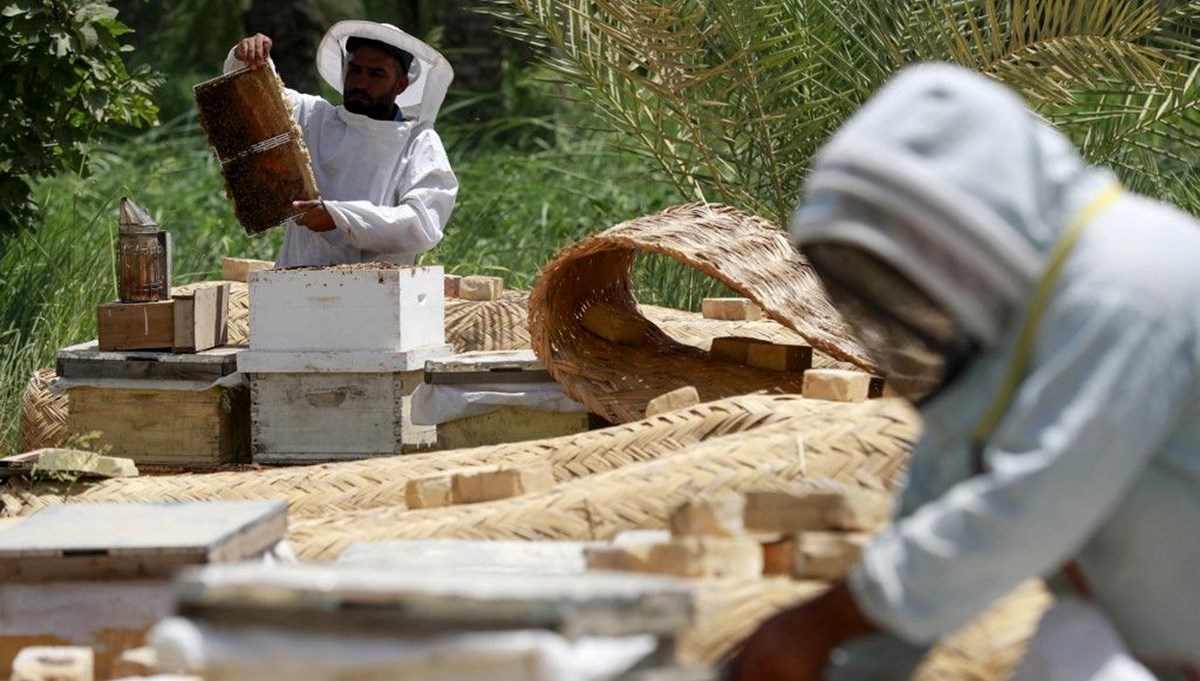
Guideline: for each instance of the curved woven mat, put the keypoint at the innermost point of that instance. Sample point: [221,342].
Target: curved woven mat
[985,650]
[43,413]
[841,444]
[747,253]
[488,325]
[380,482]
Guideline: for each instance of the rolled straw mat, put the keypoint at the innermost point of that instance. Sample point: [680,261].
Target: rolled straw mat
[745,252]
[984,650]
[488,324]
[863,444]
[43,413]
[379,482]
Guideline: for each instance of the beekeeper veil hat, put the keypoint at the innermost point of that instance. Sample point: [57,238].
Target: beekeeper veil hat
[429,76]
[930,214]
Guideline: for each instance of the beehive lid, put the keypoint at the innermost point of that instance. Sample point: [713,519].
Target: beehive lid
[87,360]
[488,366]
[107,540]
[421,602]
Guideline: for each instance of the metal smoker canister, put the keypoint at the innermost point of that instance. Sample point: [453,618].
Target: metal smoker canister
[143,257]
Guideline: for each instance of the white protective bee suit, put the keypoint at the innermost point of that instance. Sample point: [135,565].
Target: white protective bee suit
[949,180]
[388,185]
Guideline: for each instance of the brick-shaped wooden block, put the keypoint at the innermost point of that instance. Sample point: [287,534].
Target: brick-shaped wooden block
[779,556]
[470,487]
[731,309]
[615,325]
[452,285]
[837,385]
[201,317]
[778,357]
[135,662]
[429,492]
[480,287]
[681,398]
[715,517]
[689,557]
[849,510]
[54,663]
[827,555]
[239,269]
[136,326]
[733,348]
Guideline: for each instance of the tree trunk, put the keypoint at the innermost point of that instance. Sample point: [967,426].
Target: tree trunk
[296,28]
[476,51]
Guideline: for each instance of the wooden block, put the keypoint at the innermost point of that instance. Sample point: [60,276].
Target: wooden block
[827,555]
[136,326]
[503,483]
[615,325]
[776,357]
[54,663]
[429,492]
[815,510]
[452,285]
[134,662]
[239,269]
[680,398]
[837,385]
[714,517]
[479,287]
[731,309]
[87,464]
[195,428]
[201,318]
[779,557]
[733,348]
[690,557]
[509,424]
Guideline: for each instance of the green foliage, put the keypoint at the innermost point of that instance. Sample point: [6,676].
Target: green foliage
[731,98]
[61,79]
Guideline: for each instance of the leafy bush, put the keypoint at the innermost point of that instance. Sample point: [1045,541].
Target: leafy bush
[61,79]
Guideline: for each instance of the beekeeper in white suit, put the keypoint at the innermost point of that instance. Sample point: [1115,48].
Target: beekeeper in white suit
[1047,324]
[386,186]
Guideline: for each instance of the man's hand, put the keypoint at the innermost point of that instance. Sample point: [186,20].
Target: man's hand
[254,50]
[314,215]
[795,644]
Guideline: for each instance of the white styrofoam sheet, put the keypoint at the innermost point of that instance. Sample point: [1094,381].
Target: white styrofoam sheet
[433,404]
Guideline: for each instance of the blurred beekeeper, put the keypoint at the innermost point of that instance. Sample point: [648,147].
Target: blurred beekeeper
[1047,324]
[386,186]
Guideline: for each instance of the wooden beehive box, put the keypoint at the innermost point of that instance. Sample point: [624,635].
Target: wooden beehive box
[99,575]
[157,408]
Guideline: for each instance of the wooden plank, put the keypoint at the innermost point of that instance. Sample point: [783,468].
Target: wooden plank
[500,366]
[89,540]
[136,326]
[87,360]
[201,318]
[712,517]
[778,357]
[732,348]
[838,385]
[689,557]
[165,427]
[239,269]
[395,600]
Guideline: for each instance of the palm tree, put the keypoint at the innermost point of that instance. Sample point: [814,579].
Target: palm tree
[730,98]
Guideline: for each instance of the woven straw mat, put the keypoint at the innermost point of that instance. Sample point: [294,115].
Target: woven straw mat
[488,324]
[372,483]
[851,444]
[746,253]
[43,413]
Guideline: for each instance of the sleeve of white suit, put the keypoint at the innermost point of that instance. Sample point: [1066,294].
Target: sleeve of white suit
[425,198]
[1110,377]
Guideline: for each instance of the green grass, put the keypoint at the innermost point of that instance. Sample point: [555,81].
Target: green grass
[517,207]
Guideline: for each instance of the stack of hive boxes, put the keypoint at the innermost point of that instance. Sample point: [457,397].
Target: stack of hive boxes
[335,354]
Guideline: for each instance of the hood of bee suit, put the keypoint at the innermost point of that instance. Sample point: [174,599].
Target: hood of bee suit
[947,177]
[429,76]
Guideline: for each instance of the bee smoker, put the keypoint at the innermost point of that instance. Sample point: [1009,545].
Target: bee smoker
[143,256]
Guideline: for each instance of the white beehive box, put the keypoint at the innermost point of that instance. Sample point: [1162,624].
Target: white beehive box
[366,307]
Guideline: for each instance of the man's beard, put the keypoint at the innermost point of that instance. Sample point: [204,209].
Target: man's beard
[359,102]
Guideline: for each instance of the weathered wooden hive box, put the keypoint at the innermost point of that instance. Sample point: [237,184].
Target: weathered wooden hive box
[491,397]
[324,623]
[335,354]
[99,575]
[157,408]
